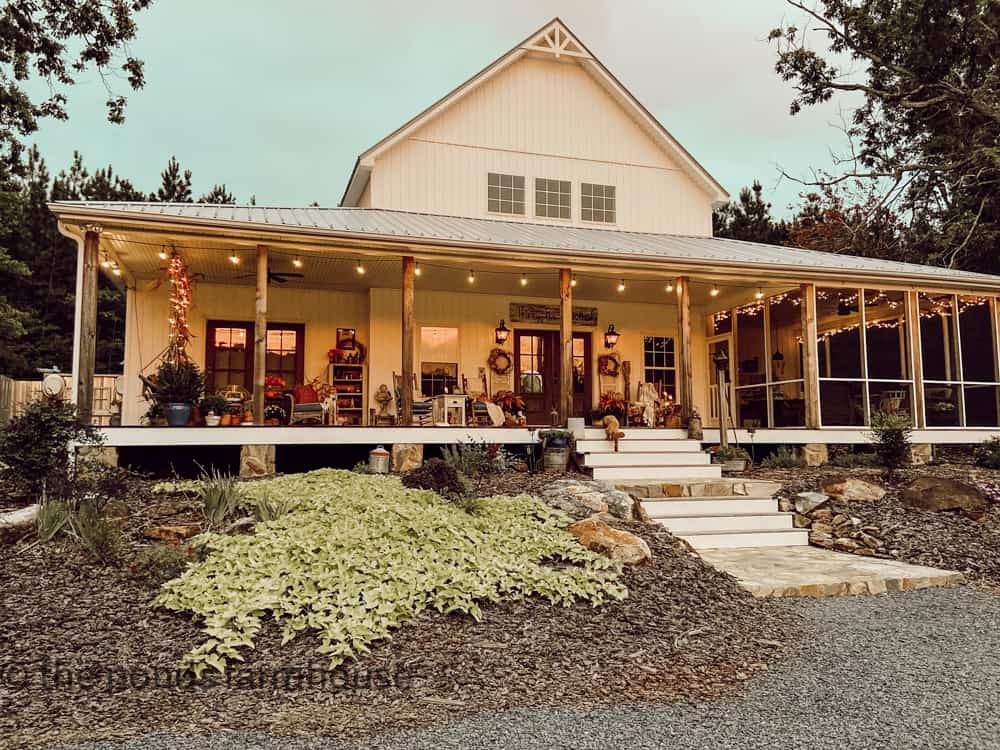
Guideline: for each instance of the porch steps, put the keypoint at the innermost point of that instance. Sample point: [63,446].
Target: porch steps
[644,454]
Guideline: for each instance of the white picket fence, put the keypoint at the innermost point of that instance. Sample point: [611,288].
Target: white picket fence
[16,394]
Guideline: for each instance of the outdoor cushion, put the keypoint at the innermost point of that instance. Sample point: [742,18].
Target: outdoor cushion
[305,394]
[314,406]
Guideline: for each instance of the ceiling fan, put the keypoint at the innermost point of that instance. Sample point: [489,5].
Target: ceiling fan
[278,277]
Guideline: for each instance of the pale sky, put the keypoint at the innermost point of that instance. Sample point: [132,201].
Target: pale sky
[277,99]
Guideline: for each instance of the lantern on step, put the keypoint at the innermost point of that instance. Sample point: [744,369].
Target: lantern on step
[611,337]
[501,333]
[378,461]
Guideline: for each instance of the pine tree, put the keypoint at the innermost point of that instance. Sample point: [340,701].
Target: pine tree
[218,194]
[749,219]
[175,187]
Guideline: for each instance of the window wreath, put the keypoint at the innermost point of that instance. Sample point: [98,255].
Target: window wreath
[608,364]
[500,362]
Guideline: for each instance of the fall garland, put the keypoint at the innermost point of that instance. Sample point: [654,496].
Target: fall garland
[500,362]
[608,364]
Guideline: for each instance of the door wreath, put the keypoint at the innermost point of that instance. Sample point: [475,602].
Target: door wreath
[608,364]
[500,362]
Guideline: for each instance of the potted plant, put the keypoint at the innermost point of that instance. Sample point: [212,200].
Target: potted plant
[178,387]
[512,406]
[613,404]
[555,448]
[213,407]
[733,459]
[274,385]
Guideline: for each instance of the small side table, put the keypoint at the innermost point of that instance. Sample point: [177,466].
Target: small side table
[449,409]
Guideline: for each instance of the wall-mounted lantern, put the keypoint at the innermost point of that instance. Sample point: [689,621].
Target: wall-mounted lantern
[501,332]
[611,337]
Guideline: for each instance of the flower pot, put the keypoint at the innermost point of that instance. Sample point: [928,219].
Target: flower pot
[735,465]
[212,420]
[225,420]
[555,459]
[177,414]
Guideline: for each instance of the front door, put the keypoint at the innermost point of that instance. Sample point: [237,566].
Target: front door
[536,373]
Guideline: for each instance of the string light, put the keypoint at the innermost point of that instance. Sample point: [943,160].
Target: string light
[573,280]
[105,262]
[116,270]
[234,258]
[472,276]
[621,285]
[360,268]
[669,287]
[524,280]
[297,262]
[163,253]
[416,268]
[759,294]
[714,291]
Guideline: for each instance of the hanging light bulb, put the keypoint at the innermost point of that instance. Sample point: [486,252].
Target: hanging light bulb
[360,268]
[416,268]
[759,294]
[163,253]
[105,262]
[669,287]
[621,285]
[524,279]
[234,258]
[472,276]
[116,270]
[714,291]
[297,262]
[572,281]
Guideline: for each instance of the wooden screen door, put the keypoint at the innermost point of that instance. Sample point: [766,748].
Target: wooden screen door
[536,373]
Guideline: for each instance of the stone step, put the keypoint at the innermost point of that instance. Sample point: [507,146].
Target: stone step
[680,473]
[701,539]
[637,433]
[603,445]
[709,506]
[696,458]
[725,487]
[681,525]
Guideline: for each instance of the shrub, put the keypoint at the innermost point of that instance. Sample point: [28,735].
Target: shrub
[440,477]
[53,516]
[35,449]
[160,563]
[361,556]
[471,459]
[220,496]
[890,434]
[987,453]
[270,506]
[783,458]
[97,536]
[855,460]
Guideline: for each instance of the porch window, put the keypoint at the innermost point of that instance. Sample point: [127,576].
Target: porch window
[864,355]
[531,358]
[770,391]
[505,193]
[552,198]
[660,364]
[438,360]
[437,378]
[959,360]
[598,203]
[229,353]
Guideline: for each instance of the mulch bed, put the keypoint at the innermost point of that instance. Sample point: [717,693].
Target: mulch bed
[940,540]
[686,633]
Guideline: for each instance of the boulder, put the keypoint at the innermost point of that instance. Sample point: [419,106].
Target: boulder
[806,502]
[257,460]
[937,494]
[581,498]
[116,513]
[815,454]
[597,536]
[407,457]
[170,533]
[920,454]
[851,488]
[15,524]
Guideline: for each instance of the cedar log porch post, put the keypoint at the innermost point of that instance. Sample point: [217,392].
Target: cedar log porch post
[260,336]
[810,354]
[565,344]
[685,379]
[406,388]
[917,358]
[87,329]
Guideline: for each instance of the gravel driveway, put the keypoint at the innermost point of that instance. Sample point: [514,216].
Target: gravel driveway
[911,670]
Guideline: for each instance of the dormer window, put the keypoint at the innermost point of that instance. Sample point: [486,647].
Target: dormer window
[597,203]
[505,193]
[552,198]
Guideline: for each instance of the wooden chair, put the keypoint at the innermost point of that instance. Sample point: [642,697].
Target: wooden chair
[423,408]
[324,411]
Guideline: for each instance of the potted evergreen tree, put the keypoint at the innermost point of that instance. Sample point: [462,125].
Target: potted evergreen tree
[178,387]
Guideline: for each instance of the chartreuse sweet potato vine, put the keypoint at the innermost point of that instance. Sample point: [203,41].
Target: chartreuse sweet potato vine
[357,556]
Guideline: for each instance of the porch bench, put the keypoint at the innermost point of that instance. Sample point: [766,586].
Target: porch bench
[324,411]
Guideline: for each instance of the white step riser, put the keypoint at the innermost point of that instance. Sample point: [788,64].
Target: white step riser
[752,539]
[597,433]
[646,459]
[693,507]
[638,446]
[610,473]
[681,526]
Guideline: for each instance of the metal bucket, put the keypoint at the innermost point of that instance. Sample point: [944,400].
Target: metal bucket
[378,461]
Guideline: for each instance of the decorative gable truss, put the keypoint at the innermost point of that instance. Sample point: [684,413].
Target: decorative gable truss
[557,41]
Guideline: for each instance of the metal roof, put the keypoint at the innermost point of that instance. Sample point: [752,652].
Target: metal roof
[585,243]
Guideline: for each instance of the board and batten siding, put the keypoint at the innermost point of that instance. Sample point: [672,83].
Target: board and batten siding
[376,316]
[540,119]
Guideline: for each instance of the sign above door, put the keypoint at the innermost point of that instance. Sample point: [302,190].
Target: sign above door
[523,312]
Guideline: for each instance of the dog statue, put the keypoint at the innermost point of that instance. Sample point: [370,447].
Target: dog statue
[612,428]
